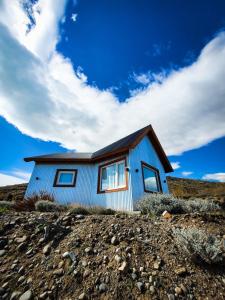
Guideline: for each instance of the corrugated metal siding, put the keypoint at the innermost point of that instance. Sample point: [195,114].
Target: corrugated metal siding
[85,191]
[144,151]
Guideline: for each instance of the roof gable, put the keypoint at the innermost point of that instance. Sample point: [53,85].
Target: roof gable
[121,146]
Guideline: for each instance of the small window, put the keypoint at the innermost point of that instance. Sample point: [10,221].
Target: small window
[112,176]
[65,178]
[151,179]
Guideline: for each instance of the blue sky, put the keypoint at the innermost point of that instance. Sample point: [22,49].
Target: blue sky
[71,72]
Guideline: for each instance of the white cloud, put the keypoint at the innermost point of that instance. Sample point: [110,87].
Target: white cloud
[142,78]
[8,180]
[74,17]
[22,175]
[43,37]
[175,165]
[186,173]
[42,95]
[215,176]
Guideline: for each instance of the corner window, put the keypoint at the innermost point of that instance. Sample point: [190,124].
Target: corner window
[65,178]
[151,179]
[112,176]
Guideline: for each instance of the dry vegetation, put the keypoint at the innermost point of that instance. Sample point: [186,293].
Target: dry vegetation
[49,251]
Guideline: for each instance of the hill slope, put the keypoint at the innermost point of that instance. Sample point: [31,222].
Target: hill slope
[187,188]
[180,187]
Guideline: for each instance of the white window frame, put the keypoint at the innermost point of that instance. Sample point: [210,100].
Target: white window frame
[118,187]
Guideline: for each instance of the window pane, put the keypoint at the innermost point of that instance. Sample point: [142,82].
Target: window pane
[110,181]
[65,177]
[150,180]
[104,184]
[113,176]
[121,174]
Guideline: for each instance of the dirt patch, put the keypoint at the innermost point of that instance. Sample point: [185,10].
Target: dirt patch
[61,256]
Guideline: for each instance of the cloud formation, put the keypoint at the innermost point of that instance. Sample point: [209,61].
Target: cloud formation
[175,165]
[186,173]
[44,97]
[215,177]
[8,180]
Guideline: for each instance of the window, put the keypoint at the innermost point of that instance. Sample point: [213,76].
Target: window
[112,176]
[151,178]
[65,178]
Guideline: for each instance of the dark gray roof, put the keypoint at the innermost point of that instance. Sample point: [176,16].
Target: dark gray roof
[123,143]
[66,155]
[121,146]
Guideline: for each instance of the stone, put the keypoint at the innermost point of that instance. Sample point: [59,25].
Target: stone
[2,252]
[140,286]
[102,287]
[26,296]
[183,287]
[82,296]
[29,251]
[21,279]
[152,289]
[114,240]
[181,271]
[15,295]
[46,250]
[5,285]
[123,267]
[58,272]
[88,250]
[79,217]
[43,295]
[61,263]
[166,215]
[156,265]
[171,297]
[65,254]
[118,258]
[29,280]
[178,290]
[21,240]
[139,230]
[134,276]
[86,273]
[21,246]
[84,263]
[21,270]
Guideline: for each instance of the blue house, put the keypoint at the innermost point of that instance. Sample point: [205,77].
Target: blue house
[115,177]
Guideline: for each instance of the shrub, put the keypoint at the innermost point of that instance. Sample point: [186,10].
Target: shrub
[28,203]
[6,205]
[157,203]
[79,210]
[199,205]
[47,206]
[199,245]
[99,210]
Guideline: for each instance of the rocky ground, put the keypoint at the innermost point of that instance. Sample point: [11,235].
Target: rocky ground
[66,256]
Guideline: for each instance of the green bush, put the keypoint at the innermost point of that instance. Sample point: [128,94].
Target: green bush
[47,206]
[199,245]
[6,205]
